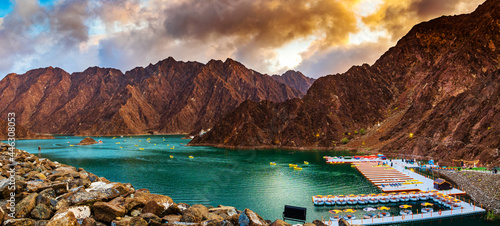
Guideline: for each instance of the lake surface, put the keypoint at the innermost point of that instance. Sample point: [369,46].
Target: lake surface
[214,176]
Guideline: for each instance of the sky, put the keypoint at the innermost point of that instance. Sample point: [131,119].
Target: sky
[316,37]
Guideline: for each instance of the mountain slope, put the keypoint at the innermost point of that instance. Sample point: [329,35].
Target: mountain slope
[296,80]
[168,97]
[439,83]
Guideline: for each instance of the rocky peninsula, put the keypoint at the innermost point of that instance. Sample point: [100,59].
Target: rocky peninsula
[50,193]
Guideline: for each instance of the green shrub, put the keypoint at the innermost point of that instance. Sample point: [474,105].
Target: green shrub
[345,140]
[362,131]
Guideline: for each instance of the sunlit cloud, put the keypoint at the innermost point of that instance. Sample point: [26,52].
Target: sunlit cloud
[271,36]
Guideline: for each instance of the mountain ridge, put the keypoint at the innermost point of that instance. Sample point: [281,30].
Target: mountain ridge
[169,97]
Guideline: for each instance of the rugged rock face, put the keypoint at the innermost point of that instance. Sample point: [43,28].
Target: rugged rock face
[168,97]
[440,83]
[295,79]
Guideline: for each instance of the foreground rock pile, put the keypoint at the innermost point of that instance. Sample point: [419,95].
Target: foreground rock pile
[54,194]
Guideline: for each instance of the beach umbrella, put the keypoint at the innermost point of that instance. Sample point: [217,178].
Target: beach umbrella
[349,211]
[335,211]
[383,208]
[427,204]
[368,209]
[405,206]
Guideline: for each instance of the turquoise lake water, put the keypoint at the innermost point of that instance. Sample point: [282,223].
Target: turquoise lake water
[214,176]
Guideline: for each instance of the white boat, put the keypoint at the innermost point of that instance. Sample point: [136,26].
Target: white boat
[373,198]
[341,200]
[363,199]
[350,217]
[330,200]
[352,200]
[383,214]
[427,210]
[414,196]
[405,212]
[394,197]
[318,200]
[424,195]
[403,197]
[383,198]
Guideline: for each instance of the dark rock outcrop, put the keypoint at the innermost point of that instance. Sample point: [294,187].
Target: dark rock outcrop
[440,83]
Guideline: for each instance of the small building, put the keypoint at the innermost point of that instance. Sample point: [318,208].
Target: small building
[442,184]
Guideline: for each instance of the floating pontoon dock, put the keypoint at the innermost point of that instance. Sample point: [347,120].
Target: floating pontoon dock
[400,178]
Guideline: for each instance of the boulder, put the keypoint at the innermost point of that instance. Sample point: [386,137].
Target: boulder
[343,222]
[106,212]
[250,218]
[171,218]
[280,223]
[41,222]
[133,203]
[87,141]
[224,211]
[19,222]
[4,189]
[88,222]
[2,214]
[130,221]
[65,218]
[26,205]
[173,209]
[152,219]
[41,212]
[234,219]
[154,208]
[135,213]
[214,220]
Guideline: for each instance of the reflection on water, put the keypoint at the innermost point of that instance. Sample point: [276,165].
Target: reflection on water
[239,178]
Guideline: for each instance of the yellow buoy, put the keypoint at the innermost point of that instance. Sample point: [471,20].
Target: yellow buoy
[155,144]
[171,156]
[121,147]
[117,143]
[137,145]
[191,157]
[292,165]
[71,145]
[272,163]
[306,162]
[297,168]
[141,148]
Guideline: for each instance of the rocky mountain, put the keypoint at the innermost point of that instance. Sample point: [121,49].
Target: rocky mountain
[296,80]
[168,97]
[435,94]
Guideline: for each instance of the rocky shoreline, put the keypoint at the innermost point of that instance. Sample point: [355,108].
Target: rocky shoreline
[483,188]
[50,193]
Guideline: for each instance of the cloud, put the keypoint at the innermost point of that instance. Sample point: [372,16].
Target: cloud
[75,34]
[399,16]
[341,58]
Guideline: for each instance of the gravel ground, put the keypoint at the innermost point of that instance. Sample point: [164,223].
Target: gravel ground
[483,188]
